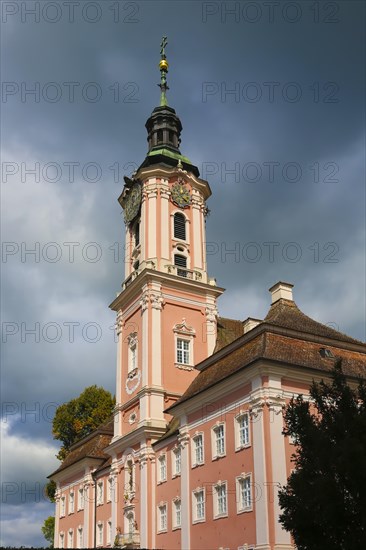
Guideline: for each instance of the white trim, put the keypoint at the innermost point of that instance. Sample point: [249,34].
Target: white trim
[176,451]
[216,487]
[175,502]
[100,492]
[100,533]
[214,441]
[195,492]
[194,438]
[238,445]
[242,478]
[160,506]
[162,467]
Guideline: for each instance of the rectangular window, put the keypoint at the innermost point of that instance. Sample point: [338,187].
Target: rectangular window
[244,493]
[62,506]
[71,503]
[177,459]
[183,351]
[220,504]
[162,517]
[109,532]
[218,433]
[100,492]
[242,431]
[199,505]
[81,498]
[70,543]
[162,468]
[110,489]
[80,537]
[100,534]
[177,514]
[198,456]
[62,540]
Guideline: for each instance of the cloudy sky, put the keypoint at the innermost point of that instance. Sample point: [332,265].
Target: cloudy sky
[271,98]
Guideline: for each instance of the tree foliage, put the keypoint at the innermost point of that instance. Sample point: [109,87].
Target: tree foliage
[324,502]
[48,529]
[80,416]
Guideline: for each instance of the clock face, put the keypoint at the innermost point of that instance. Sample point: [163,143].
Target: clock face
[181,195]
[133,202]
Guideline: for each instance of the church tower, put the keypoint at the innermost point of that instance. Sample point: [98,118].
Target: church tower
[166,311]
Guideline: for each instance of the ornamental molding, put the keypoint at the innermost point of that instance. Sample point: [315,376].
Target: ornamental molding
[256,407]
[211,313]
[183,328]
[183,367]
[144,301]
[132,339]
[157,300]
[119,322]
[183,439]
[133,382]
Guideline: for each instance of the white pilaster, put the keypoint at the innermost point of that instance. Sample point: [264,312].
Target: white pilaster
[185,490]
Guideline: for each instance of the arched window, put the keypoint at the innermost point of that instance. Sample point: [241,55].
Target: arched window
[179,226]
[160,136]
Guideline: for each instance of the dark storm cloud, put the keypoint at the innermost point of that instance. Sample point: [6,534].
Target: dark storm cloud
[270,94]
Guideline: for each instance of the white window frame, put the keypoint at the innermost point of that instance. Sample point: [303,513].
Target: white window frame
[179,242]
[186,333]
[62,507]
[80,535]
[100,533]
[110,489]
[240,506]
[183,349]
[176,452]
[194,439]
[100,492]
[62,539]
[217,488]
[71,502]
[109,531]
[177,504]
[70,538]
[195,493]
[81,499]
[238,444]
[162,468]
[216,452]
[162,528]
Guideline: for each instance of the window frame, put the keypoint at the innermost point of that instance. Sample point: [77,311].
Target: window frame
[80,536]
[71,507]
[162,464]
[177,451]
[100,532]
[62,506]
[100,493]
[237,428]
[240,506]
[81,498]
[216,500]
[195,437]
[216,454]
[195,493]
[176,216]
[161,506]
[70,538]
[175,525]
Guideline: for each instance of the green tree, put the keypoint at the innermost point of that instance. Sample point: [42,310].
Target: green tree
[48,529]
[324,501]
[80,416]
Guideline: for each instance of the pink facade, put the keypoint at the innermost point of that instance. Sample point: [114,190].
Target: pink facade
[195,453]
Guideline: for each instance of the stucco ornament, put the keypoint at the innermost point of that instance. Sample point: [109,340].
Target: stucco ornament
[133,383]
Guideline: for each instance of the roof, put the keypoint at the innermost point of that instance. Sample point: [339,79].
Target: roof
[281,337]
[228,330]
[286,314]
[91,446]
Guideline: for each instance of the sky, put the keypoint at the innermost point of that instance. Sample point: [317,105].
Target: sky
[271,99]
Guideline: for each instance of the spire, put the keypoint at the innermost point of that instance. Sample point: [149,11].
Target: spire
[163,66]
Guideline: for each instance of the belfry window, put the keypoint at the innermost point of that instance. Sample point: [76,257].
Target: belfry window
[160,136]
[181,261]
[179,226]
[136,234]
